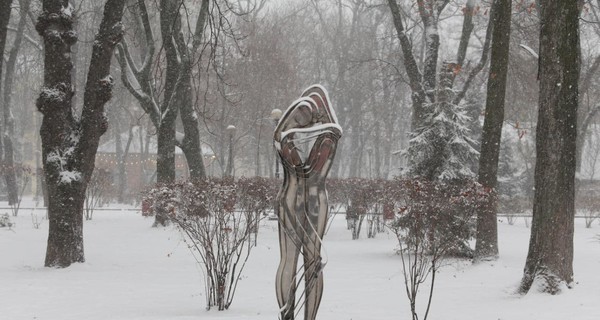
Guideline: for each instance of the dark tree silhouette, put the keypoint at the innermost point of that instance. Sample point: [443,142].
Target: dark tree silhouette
[69,142]
[550,257]
[487,228]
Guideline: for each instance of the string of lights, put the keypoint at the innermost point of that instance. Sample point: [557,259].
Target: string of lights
[138,159]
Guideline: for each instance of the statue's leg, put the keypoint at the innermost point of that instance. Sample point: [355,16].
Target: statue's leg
[286,274]
[289,246]
[313,264]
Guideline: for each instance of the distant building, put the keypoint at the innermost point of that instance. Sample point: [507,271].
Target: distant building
[140,163]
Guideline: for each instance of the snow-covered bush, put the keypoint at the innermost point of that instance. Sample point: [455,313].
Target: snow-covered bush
[217,218]
[5,221]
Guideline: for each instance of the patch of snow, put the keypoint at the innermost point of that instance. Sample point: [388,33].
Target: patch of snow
[68,10]
[146,273]
[53,94]
[55,157]
[67,177]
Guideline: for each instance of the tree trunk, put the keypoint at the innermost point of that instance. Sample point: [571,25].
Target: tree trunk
[487,228]
[189,118]
[550,258]
[10,174]
[412,70]
[4,19]
[170,21]
[69,145]
[5,10]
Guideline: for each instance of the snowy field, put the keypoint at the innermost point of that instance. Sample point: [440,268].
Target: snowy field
[134,271]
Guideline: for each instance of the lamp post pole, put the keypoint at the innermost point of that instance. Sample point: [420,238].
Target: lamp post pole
[275,116]
[229,170]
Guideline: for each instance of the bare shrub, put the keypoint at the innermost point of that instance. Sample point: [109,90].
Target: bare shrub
[513,207]
[36,221]
[255,197]
[589,206]
[98,186]
[217,218]
[433,221]
[23,173]
[362,200]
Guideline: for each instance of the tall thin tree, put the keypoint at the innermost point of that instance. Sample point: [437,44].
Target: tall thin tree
[486,246]
[8,134]
[550,258]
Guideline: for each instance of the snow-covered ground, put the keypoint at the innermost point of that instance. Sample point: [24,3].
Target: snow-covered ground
[134,272]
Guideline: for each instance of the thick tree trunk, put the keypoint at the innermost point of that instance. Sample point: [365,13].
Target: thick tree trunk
[550,258]
[487,228]
[69,145]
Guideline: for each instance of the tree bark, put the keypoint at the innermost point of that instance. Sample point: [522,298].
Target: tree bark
[4,19]
[550,258]
[487,228]
[165,161]
[69,145]
[5,9]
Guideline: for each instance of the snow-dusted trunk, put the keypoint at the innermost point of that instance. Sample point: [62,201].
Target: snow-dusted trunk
[487,228]
[69,145]
[165,163]
[191,140]
[550,258]
[7,159]
[170,21]
[432,44]
[189,118]
[4,18]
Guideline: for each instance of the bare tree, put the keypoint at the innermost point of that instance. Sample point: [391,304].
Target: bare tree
[487,229]
[69,142]
[8,133]
[550,258]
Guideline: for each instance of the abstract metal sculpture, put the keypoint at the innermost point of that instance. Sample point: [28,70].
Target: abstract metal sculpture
[306,139]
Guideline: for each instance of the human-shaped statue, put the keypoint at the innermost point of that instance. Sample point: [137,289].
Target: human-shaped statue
[306,139]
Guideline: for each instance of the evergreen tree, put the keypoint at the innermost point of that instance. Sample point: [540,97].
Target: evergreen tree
[442,148]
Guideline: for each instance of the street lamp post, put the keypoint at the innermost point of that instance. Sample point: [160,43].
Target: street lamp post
[229,170]
[275,116]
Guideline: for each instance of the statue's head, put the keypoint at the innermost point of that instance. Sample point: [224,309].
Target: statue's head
[307,134]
